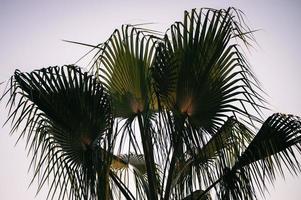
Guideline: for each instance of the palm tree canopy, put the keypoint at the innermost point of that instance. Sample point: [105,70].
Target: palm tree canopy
[177,115]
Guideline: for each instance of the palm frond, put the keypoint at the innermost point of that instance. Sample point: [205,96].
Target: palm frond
[278,134]
[123,64]
[201,78]
[226,145]
[66,115]
[270,150]
[204,73]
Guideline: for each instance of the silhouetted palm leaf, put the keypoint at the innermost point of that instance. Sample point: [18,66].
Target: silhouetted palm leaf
[201,79]
[199,70]
[67,118]
[123,65]
[266,154]
[223,147]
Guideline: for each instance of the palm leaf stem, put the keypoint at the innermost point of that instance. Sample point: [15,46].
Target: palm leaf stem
[177,144]
[149,158]
[103,179]
[125,191]
[170,173]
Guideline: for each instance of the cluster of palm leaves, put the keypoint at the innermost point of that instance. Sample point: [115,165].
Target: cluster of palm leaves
[159,116]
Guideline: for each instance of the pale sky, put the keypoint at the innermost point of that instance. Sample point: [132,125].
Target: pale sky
[31,34]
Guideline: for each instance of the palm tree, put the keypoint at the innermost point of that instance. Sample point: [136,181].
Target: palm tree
[158,116]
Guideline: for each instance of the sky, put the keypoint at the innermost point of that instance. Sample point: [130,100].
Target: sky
[31,34]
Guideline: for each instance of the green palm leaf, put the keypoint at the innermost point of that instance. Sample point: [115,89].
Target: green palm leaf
[201,79]
[204,74]
[277,134]
[123,64]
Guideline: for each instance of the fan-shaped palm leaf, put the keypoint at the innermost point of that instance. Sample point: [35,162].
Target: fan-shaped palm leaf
[123,64]
[263,157]
[205,80]
[67,117]
[226,144]
[204,74]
